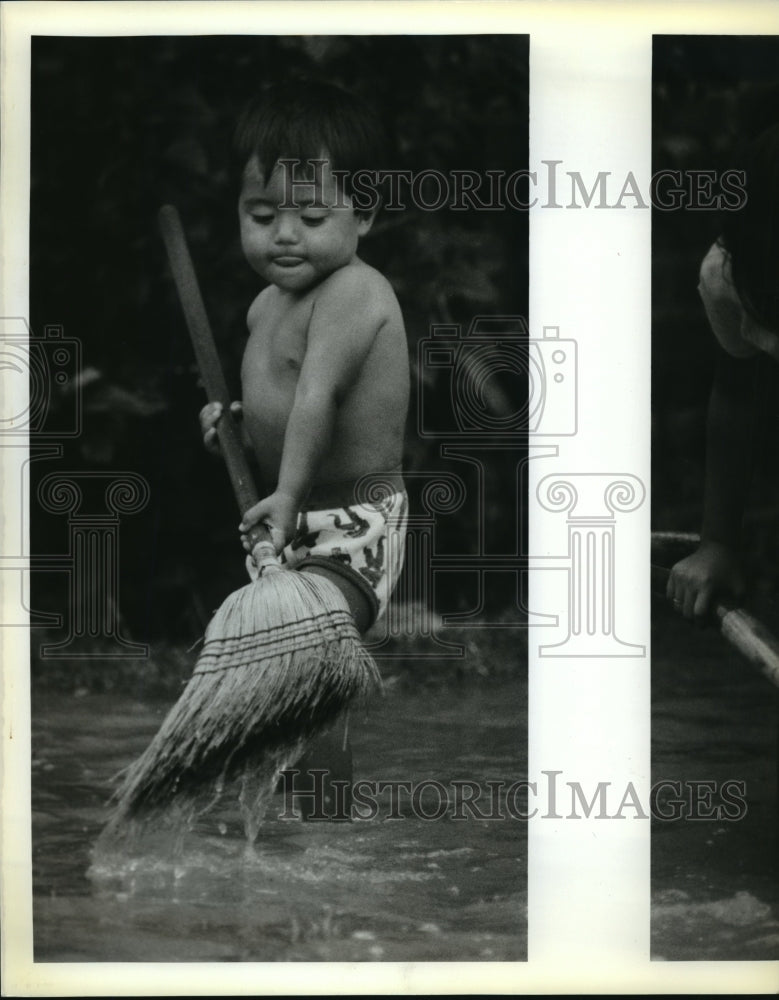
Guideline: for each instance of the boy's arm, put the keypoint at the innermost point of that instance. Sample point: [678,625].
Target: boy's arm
[342,329]
[714,567]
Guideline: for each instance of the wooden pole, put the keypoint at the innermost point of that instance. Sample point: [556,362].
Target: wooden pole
[740,628]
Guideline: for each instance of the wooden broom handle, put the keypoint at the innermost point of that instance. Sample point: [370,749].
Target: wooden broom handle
[213,377]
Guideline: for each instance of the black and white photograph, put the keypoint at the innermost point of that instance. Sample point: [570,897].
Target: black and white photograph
[390,498]
[292,656]
[715,498]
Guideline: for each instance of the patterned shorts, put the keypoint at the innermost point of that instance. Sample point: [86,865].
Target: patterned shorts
[364,542]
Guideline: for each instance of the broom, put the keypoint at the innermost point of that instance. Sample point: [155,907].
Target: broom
[281,657]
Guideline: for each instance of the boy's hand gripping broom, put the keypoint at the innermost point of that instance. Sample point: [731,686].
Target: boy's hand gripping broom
[281,657]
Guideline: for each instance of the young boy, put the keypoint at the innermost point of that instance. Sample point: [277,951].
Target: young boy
[325,373]
[738,285]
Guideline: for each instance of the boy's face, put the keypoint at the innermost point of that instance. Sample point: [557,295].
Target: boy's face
[295,235]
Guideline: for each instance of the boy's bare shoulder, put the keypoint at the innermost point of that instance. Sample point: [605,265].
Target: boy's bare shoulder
[260,305]
[360,288]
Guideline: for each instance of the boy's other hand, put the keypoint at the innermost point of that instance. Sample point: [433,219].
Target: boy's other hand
[279,512]
[712,570]
[209,418]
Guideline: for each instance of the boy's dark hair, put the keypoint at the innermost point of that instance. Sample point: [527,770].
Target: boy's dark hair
[751,234]
[304,119]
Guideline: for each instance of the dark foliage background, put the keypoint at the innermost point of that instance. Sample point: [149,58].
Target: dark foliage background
[710,94]
[123,125]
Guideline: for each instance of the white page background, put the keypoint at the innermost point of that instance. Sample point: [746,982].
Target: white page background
[589,276]
[590,98]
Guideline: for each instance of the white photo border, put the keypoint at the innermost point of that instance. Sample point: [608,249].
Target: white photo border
[590,94]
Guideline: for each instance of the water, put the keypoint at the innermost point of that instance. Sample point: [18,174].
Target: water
[403,889]
[715,883]
[380,890]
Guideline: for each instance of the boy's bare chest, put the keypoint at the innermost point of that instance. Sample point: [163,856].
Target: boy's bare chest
[277,342]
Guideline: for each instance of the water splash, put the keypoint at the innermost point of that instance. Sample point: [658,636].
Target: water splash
[258,781]
[251,789]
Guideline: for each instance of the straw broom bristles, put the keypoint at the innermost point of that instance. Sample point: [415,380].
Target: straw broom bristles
[280,660]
